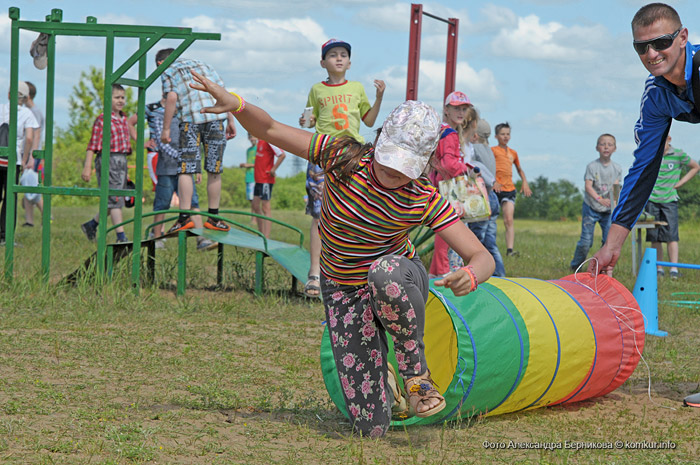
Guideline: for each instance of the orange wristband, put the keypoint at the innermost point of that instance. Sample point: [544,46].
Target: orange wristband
[470,271]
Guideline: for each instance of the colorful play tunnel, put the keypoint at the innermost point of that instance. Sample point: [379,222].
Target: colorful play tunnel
[522,343]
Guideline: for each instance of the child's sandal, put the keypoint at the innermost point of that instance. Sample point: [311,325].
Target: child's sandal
[399,409]
[421,389]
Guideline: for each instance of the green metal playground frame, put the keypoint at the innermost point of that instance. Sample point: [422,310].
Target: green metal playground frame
[293,257]
[148,37]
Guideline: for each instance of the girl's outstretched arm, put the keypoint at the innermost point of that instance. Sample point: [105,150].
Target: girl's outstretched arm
[465,243]
[255,120]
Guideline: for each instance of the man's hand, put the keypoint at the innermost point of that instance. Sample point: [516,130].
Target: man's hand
[525,189]
[603,261]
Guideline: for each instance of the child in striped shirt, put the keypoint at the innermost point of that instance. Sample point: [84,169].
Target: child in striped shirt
[372,280]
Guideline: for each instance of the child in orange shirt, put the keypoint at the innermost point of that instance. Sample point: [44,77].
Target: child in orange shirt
[504,187]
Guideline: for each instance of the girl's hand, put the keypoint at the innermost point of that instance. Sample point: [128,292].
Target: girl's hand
[225,102]
[458,281]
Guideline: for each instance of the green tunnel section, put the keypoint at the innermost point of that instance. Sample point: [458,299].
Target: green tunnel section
[521,343]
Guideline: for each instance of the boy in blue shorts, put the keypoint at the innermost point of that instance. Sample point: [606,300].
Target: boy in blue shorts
[196,129]
[167,172]
[338,107]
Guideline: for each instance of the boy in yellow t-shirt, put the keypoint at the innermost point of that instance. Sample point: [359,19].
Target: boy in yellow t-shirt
[338,107]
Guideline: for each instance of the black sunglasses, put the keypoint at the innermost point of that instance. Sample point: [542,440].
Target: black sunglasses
[659,43]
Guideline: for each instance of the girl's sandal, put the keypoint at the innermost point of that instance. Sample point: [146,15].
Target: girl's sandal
[399,409]
[312,288]
[420,390]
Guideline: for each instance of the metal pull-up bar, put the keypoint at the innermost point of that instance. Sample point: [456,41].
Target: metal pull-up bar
[414,51]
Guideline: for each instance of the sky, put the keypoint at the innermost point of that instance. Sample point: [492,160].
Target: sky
[560,72]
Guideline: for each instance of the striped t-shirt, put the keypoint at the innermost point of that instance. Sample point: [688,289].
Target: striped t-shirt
[669,174]
[362,221]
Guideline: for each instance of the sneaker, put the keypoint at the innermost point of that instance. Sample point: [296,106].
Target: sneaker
[216,225]
[90,230]
[512,253]
[205,244]
[160,244]
[187,224]
[675,274]
[692,400]
[27,225]
[660,273]
[121,241]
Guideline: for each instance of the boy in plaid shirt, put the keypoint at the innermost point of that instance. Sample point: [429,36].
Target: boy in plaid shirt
[120,147]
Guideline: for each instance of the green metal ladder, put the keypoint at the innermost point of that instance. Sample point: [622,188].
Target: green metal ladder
[148,37]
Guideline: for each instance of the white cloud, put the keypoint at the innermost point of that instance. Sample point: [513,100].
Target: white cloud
[497,17]
[392,17]
[600,120]
[534,40]
[260,46]
[111,18]
[479,85]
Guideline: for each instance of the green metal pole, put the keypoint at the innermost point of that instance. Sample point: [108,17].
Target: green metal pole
[181,262]
[48,160]
[259,263]
[220,265]
[105,155]
[10,182]
[138,204]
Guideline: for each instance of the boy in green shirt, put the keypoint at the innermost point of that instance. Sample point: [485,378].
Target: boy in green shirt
[338,107]
[663,203]
[249,166]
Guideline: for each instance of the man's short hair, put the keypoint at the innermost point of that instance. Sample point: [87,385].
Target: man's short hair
[32,90]
[163,54]
[500,126]
[649,14]
[117,87]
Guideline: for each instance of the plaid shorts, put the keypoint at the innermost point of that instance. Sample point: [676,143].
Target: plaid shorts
[212,136]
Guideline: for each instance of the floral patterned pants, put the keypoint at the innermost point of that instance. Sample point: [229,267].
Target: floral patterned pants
[359,318]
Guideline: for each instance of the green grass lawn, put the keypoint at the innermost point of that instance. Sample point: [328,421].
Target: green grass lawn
[95,373]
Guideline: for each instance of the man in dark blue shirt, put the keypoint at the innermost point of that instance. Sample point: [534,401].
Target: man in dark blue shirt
[661,42]
[662,45]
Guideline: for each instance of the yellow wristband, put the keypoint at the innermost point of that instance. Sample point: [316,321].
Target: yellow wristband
[241,103]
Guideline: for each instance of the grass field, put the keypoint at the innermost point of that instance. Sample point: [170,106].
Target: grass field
[96,374]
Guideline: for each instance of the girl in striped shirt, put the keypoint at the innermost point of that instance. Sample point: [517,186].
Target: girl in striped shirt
[372,281]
